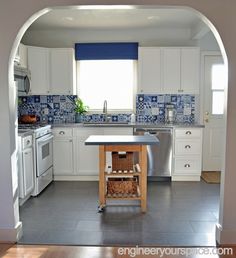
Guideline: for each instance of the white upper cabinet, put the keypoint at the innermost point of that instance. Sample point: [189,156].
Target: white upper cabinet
[22,53]
[38,64]
[171,70]
[149,70]
[62,68]
[190,70]
[168,70]
[52,70]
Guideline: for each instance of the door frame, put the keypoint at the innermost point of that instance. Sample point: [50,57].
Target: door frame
[201,102]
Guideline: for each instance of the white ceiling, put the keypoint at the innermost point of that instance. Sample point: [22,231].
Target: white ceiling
[116,18]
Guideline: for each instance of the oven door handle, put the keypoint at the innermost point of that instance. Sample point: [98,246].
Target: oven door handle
[41,141]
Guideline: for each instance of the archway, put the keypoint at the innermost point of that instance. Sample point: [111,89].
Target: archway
[20,34]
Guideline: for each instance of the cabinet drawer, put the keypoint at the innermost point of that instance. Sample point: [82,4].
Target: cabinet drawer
[185,147]
[187,166]
[27,141]
[63,132]
[188,133]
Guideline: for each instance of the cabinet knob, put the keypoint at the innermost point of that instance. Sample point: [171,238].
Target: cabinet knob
[188,132]
[28,142]
[61,132]
[187,166]
[187,147]
[70,140]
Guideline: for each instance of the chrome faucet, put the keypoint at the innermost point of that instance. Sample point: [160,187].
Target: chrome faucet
[105,107]
[107,118]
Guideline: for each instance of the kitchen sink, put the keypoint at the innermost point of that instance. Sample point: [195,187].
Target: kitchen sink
[104,123]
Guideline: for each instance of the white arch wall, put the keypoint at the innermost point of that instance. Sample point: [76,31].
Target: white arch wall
[13,14]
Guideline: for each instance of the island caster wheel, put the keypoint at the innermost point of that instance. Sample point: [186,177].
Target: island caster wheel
[101,208]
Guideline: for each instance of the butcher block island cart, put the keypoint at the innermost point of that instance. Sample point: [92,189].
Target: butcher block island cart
[124,180]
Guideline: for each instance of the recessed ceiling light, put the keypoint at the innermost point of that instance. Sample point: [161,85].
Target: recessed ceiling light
[155,18]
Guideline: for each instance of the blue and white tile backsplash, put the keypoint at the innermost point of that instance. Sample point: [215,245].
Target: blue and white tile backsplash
[48,109]
[151,107]
[59,109]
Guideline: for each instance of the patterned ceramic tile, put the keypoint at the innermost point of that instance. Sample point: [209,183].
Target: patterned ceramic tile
[51,109]
[151,108]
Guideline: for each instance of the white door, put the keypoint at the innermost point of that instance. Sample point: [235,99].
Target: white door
[214,85]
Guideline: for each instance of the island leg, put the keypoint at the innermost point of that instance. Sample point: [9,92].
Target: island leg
[143,161]
[102,182]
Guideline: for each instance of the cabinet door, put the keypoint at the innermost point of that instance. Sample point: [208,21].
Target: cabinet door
[63,159]
[149,63]
[28,171]
[38,59]
[171,70]
[190,70]
[23,55]
[87,157]
[62,70]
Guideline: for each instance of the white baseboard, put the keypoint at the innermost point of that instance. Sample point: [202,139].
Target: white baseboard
[185,178]
[11,235]
[76,178]
[225,237]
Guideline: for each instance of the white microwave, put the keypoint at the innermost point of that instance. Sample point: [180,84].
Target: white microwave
[23,78]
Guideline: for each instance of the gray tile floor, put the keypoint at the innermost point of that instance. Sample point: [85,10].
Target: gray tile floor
[179,213]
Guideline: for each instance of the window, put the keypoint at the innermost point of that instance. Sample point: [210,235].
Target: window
[218,85]
[111,80]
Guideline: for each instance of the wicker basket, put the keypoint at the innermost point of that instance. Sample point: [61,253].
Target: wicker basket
[122,186]
[122,161]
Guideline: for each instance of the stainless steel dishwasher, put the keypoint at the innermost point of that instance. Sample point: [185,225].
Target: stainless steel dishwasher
[159,156]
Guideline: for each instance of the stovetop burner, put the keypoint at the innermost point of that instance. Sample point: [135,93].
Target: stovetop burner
[31,126]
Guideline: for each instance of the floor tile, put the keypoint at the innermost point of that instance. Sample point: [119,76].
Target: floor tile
[179,213]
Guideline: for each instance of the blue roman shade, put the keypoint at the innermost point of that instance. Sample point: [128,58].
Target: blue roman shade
[106,51]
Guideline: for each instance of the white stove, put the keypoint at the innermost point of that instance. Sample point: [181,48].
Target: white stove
[43,154]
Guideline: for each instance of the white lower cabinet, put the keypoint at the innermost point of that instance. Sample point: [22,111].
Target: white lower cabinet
[73,160]
[87,158]
[63,152]
[25,167]
[28,169]
[187,158]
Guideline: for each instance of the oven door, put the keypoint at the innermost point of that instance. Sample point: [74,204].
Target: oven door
[44,154]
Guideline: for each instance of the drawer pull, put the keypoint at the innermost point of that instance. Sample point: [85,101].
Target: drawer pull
[187,166]
[61,132]
[28,142]
[188,132]
[187,147]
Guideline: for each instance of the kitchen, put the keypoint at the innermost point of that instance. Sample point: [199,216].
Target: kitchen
[69,164]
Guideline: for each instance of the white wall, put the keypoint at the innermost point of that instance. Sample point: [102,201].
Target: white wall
[13,14]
